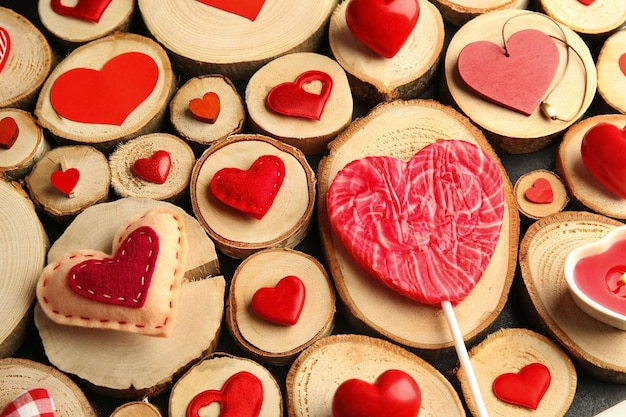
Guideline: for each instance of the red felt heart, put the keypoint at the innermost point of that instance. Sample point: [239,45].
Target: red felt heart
[540,192]
[9,131]
[602,151]
[33,402]
[394,393]
[281,304]
[622,63]
[88,10]
[426,228]
[205,109]
[240,396]
[586,2]
[154,169]
[65,181]
[249,8]
[291,99]
[525,388]
[107,96]
[250,191]
[5,47]
[382,25]
[517,80]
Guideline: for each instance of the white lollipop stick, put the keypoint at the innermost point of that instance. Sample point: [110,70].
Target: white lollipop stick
[466,364]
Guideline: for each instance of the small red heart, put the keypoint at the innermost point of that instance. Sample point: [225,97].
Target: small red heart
[291,99]
[394,393]
[154,169]
[88,10]
[33,402]
[205,109]
[540,192]
[9,131]
[65,181]
[382,25]
[250,191]
[602,152]
[5,47]
[622,63]
[245,8]
[281,304]
[240,396]
[525,388]
[586,2]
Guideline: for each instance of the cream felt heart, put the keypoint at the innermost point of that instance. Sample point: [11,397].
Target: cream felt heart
[134,289]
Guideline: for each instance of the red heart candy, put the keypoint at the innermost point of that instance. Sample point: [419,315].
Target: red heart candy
[251,191]
[525,388]
[31,401]
[281,304]
[154,169]
[65,181]
[517,81]
[541,192]
[9,131]
[249,8]
[88,10]
[586,2]
[382,25]
[240,396]
[5,47]
[602,150]
[394,393]
[622,63]
[291,99]
[205,109]
[107,96]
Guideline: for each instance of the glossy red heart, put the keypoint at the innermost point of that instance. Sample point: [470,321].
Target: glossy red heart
[517,81]
[107,96]
[249,9]
[525,388]
[394,393]
[382,25]
[5,47]
[88,10]
[587,2]
[205,109]
[240,396]
[155,169]
[622,63]
[9,131]
[33,402]
[291,98]
[65,181]
[602,152]
[540,192]
[250,191]
[281,304]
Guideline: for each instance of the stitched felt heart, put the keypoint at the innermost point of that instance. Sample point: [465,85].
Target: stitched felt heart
[5,47]
[516,80]
[33,402]
[205,109]
[240,396]
[249,9]
[154,169]
[65,181]
[281,304]
[394,393]
[426,228]
[291,98]
[382,25]
[88,10]
[9,131]
[540,192]
[586,2]
[622,63]
[250,191]
[107,96]
[525,388]
[602,151]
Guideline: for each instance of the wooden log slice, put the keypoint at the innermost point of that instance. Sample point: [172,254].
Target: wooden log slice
[255,332]
[136,409]
[595,346]
[29,147]
[510,350]
[211,375]
[28,63]
[228,121]
[23,247]
[146,178]
[598,19]
[310,135]
[236,233]
[570,94]
[314,377]
[400,129]
[459,12]
[583,187]
[611,67]
[530,192]
[138,67]
[203,39]
[408,74]
[17,375]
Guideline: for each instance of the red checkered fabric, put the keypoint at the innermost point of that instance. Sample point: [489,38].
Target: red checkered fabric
[35,402]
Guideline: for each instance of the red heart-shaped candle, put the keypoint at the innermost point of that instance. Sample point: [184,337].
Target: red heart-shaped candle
[525,388]
[281,304]
[205,109]
[9,131]
[541,192]
[249,9]
[155,169]
[31,401]
[602,152]
[291,99]
[5,47]
[240,396]
[65,181]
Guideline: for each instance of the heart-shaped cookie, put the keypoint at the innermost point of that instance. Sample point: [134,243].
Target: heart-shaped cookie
[292,99]
[249,9]
[205,109]
[525,388]
[540,192]
[281,304]
[9,131]
[133,289]
[65,181]
[426,228]
[602,151]
[240,396]
[33,402]
[5,47]
[88,10]
[155,169]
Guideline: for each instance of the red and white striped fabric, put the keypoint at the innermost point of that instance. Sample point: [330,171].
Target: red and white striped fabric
[35,402]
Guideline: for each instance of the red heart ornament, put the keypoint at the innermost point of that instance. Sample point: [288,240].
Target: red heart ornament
[540,192]
[33,402]
[249,9]
[622,63]
[5,47]
[281,304]
[154,169]
[426,228]
[517,80]
[9,131]
[525,388]
[240,396]
[382,25]
[602,150]
[586,2]
[65,181]
[205,109]
[291,99]
[250,191]
[394,393]
[107,96]
[88,10]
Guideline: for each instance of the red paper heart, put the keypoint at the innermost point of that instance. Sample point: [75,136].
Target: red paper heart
[9,131]
[395,393]
[154,169]
[281,304]
[5,47]
[245,8]
[602,152]
[240,396]
[426,228]
[517,81]
[382,25]
[525,388]
[251,191]
[291,99]
[65,181]
[88,10]
[29,402]
[622,63]
[205,109]
[540,192]
[107,96]
[586,2]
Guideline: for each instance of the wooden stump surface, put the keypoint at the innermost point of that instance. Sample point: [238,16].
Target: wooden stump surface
[459,12]
[612,71]
[601,17]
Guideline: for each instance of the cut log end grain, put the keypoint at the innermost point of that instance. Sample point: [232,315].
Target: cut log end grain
[136,409]
[459,12]
[594,21]
[29,147]
[611,67]
[540,193]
